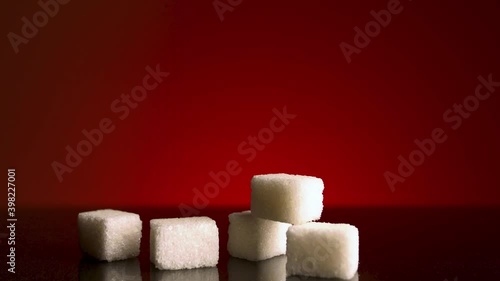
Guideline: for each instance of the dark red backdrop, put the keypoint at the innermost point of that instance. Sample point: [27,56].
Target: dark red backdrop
[353,120]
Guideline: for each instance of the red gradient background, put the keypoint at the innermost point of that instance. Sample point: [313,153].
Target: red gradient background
[353,120]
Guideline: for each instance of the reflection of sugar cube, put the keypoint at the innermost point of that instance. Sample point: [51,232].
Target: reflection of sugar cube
[309,278]
[125,270]
[184,243]
[268,270]
[197,274]
[254,238]
[110,235]
[287,198]
[323,250]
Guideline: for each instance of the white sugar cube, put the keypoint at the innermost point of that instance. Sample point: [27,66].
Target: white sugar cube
[184,243]
[197,274]
[287,198]
[268,270]
[323,250]
[109,234]
[254,238]
[125,270]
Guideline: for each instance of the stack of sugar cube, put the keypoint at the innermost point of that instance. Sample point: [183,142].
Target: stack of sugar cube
[281,221]
[283,208]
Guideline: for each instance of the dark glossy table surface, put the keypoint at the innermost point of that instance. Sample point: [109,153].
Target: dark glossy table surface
[395,244]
